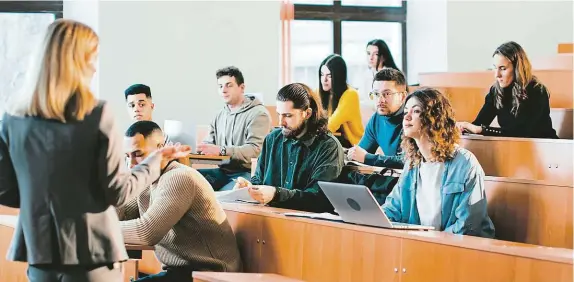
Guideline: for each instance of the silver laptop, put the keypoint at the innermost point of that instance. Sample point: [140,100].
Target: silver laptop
[356,204]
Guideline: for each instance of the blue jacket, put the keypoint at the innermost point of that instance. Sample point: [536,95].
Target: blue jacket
[464,208]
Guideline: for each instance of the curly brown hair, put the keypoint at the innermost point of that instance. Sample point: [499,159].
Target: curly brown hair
[438,124]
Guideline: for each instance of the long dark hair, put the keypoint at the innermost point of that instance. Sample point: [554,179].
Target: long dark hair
[338,69]
[384,54]
[522,75]
[304,98]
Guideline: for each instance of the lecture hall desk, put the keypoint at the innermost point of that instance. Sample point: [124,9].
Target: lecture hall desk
[319,250]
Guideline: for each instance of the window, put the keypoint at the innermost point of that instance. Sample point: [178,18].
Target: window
[312,41]
[372,3]
[355,36]
[313,2]
[23,25]
[347,25]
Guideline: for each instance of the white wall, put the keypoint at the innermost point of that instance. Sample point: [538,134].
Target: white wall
[176,47]
[473,30]
[426,37]
[476,28]
[87,12]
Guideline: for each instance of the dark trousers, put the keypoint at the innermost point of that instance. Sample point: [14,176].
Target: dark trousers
[171,274]
[75,273]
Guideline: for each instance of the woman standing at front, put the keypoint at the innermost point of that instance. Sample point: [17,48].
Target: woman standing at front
[340,101]
[519,101]
[61,163]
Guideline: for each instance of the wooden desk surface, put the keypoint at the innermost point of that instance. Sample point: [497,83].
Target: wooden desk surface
[468,242]
[201,276]
[205,157]
[11,220]
[131,247]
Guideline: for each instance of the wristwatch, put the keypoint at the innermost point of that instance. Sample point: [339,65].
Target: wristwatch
[223,151]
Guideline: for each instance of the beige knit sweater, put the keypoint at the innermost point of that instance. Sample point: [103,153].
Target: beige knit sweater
[180,215]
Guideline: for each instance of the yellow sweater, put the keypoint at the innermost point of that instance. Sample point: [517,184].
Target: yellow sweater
[348,115]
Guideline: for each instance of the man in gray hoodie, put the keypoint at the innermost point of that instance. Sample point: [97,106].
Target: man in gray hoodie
[238,131]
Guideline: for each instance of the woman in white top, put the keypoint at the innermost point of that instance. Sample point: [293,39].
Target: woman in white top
[442,184]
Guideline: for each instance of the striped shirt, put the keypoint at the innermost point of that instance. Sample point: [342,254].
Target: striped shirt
[181,217]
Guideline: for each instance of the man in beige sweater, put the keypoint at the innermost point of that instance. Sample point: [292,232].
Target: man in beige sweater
[178,214]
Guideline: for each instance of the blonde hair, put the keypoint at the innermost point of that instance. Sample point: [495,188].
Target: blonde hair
[61,73]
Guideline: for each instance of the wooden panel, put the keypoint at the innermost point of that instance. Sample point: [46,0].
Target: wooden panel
[130,270]
[558,82]
[282,247]
[9,211]
[10,270]
[334,254]
[523,158]
[149,263]
[199,276]
[247,229]
[432,262]
[565,48]
[530,270]
[556,62]
[335,251]
[560,255]
[273,113]
[532,213]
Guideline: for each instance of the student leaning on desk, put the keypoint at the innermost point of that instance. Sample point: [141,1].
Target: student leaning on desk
[519,101]
[61,164]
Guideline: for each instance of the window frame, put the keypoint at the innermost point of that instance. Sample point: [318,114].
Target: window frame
[51,7]
[338,13]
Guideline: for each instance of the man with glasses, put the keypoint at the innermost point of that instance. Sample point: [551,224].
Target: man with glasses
[385,127]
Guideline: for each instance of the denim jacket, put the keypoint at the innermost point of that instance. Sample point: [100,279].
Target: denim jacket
[464,207]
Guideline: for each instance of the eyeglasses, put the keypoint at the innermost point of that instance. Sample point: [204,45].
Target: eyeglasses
[373,95]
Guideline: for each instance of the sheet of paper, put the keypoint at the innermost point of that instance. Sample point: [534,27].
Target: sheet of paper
[232,196]
[9,220]
[325,215]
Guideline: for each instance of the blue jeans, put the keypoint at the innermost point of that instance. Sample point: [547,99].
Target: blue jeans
[220,180]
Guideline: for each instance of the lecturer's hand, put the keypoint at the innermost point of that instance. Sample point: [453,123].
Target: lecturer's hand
[171,152]
[262,193]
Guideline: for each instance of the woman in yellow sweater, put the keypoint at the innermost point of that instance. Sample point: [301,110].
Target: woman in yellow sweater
[340,101]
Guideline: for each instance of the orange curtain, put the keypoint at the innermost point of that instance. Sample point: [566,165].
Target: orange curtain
[287,15]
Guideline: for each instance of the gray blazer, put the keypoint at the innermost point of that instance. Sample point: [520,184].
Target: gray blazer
[66,179]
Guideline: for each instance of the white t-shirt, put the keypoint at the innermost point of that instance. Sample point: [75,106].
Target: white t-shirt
[428,194]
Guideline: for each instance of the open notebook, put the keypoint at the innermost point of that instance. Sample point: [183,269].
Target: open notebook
[234,196]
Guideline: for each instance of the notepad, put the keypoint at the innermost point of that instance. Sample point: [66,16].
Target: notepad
[234,196]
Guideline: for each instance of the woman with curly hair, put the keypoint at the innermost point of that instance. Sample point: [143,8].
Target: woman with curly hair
[517,98]
[442,184]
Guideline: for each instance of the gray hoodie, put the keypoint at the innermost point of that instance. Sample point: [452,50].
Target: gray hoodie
[241,131]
